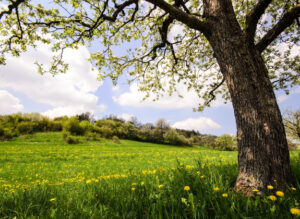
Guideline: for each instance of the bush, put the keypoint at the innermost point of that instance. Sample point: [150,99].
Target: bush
[116,139]
[91,136]
[72,125]
[8,134]
[86,126]
[55,126]
[173,138]
[25,127]
[72,139]
[226,143]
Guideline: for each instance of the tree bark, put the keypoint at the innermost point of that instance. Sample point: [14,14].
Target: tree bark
[263,155]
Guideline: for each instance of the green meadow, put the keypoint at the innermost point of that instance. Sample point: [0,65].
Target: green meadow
[43,177]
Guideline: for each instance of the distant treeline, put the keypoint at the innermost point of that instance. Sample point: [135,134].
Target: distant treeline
[110,127]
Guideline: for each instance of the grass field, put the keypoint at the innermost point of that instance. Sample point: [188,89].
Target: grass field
[41,176]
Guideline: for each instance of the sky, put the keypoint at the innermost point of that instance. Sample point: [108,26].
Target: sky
[22,89]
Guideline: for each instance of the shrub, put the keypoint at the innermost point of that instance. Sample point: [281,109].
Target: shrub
[105,132]
[173,138]
[72,125]
[72,139]
[86,126]
[91,136]
[226,143]
[116,139]
[8,134]
[55,126]
[25,127]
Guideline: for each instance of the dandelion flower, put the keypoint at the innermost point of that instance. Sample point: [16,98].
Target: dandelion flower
[293,188]
[133,184]
[187,188]
[198,172]
[52,199]
[225,195]
[160,186]
[202,177]
[88,181]
[132,189]
[255,190]
[280,193]
[142,183]
[217,189]
[272,197]
[295,211]
[270,187]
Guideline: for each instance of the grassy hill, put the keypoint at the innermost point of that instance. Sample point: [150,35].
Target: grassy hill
[42,176]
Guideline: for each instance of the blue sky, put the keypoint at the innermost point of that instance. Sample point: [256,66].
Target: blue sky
[22,89]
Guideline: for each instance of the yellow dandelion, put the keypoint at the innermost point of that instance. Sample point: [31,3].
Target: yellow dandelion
[133,184]
[217,189]
[270,187]
[186,188]
[52,199]
[293,188]
[272,197]
[88,181]
[142,183]
[132,189]
[202,177]
[160,186]
[255,190]
[225,195]
[295,211]
[198,172]
[280,193]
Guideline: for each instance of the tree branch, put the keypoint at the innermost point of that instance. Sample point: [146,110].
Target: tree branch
[11,7]
[211,93]
[253,17]
[187,19]
[286,21]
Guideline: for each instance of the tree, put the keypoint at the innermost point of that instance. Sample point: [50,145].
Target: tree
[229,48]
[291,122]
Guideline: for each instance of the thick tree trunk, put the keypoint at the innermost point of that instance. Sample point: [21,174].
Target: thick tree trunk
[263,154]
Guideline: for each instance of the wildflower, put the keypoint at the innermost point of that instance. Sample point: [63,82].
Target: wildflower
[272,197]
[133,184]
[160,186]
[217,189]
[142,183]
[187,188]
[270,187]
[295,211]
[280,193]
[255,190]
[88,181]
[225,195]
[294,189]
[132,189]
[198,172]
[52,199]
[202,177]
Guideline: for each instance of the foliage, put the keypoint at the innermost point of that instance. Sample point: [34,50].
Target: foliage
[115,139]
[25,127]
[173,138]
[226,143]
[72,125]
[136,180]
[291,120]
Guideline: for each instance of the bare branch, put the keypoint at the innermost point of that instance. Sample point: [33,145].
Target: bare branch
[187,19]
[286,21]
[211,93]
[253,17]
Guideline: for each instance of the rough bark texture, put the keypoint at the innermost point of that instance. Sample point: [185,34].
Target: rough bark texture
[263,154]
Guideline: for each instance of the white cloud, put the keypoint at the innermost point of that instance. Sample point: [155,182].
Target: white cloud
[115,88]
[134,98]
[285,97]
[9,103]
[198,124]
[69,93]
[126,117]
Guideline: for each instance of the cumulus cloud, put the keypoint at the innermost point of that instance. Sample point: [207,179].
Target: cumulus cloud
[67,94]
[9,103]
[126,117]
[134,98]
[198,124]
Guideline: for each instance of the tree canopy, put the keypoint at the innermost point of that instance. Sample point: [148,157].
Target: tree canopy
[170,39]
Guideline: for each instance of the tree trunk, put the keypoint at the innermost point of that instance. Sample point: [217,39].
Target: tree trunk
[263,155]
